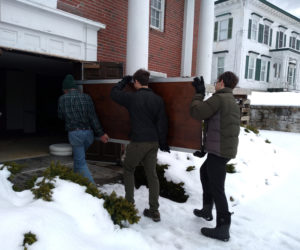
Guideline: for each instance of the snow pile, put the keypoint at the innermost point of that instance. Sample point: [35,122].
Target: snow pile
[275,98]
[264,198]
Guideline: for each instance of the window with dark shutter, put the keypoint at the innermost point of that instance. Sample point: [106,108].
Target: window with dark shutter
[230,28]
[249,28]
[271,37]
[260,33]
[257,69]
[216,31]
[268,72]
[246,68]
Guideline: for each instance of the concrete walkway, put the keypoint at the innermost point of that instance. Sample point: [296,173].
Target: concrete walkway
[102,172]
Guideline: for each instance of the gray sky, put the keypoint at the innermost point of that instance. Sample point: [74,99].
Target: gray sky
[292,6]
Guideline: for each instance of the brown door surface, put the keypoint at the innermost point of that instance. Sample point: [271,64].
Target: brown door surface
[183,132]
[102,70]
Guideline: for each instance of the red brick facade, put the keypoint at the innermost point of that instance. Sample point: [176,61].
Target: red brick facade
[164,47]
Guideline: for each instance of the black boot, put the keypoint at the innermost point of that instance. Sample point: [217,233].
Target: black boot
[205,212]
[221,231]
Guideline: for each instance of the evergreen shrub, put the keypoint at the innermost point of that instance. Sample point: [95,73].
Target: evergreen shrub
[190,168]
[169,190]
[29,239]
[230,168]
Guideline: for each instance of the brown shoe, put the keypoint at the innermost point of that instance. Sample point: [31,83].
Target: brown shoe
[152,214]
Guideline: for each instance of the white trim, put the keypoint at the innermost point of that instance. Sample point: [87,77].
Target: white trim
[187,39]
[155,74]
[33,27]
[64,14]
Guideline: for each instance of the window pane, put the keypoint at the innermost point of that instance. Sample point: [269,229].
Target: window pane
[251,67]
[223,30]
[156,13]
[263,70]
[221,65]
[254,30]
[266,34]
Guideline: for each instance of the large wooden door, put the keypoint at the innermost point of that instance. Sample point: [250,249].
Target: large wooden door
[102,70]
[184,133]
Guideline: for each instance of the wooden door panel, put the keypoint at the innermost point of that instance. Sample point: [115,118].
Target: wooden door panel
[103,70]
[183,130]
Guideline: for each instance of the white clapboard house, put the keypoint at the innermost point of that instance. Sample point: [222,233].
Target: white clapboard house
[259,42]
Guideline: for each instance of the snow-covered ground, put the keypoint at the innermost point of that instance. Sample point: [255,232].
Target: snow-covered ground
[264,194]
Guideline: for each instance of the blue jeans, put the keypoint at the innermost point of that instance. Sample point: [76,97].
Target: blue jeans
[80,141]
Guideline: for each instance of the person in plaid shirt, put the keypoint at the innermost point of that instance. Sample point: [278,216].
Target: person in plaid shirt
[81,122]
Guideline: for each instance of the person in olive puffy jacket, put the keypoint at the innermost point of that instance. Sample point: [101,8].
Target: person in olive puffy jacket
[221,114]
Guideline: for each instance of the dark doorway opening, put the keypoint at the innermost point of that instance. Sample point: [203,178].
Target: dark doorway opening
[30,85]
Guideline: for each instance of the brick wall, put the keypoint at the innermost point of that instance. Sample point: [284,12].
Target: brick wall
[112,13]
[164,47]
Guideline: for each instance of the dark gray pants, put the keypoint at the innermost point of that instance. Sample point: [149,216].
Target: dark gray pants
[146,154]
[212,176]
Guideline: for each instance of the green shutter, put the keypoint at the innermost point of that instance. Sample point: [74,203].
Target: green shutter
[257,69]
[298,45]
[216,32]
[268,72]
[271,37]
[277,35]
[246,68]
[284,43]
[249,28]
[230,28]
[260,33]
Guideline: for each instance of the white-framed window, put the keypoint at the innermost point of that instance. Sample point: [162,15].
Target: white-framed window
[157,14]
[263,70]
[277,69]
[251,67]
[266,34]
[254,29]
[221,65]
[291,74]
[223,29]
[280,43]
[293,42]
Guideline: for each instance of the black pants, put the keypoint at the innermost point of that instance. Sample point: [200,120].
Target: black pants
[212,176]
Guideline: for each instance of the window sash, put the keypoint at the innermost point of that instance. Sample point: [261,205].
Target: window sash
[251,67]
[293,42]
[157,16]
[221,66]
[266,34]
[254,30]
[263,70]
[280,39]
[223,32]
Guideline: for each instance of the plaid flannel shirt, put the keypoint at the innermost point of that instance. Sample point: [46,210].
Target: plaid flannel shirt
[77,109]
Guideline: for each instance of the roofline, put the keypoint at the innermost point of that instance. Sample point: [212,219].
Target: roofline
[270,5]
[280,10]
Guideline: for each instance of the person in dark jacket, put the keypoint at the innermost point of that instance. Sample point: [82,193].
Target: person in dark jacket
[148,132]
[222,126]
[78,112]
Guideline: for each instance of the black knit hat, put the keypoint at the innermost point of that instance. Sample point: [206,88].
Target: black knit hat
[68,82]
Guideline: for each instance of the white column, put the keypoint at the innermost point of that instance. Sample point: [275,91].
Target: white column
[187,41]
[205,40]
[137,35]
